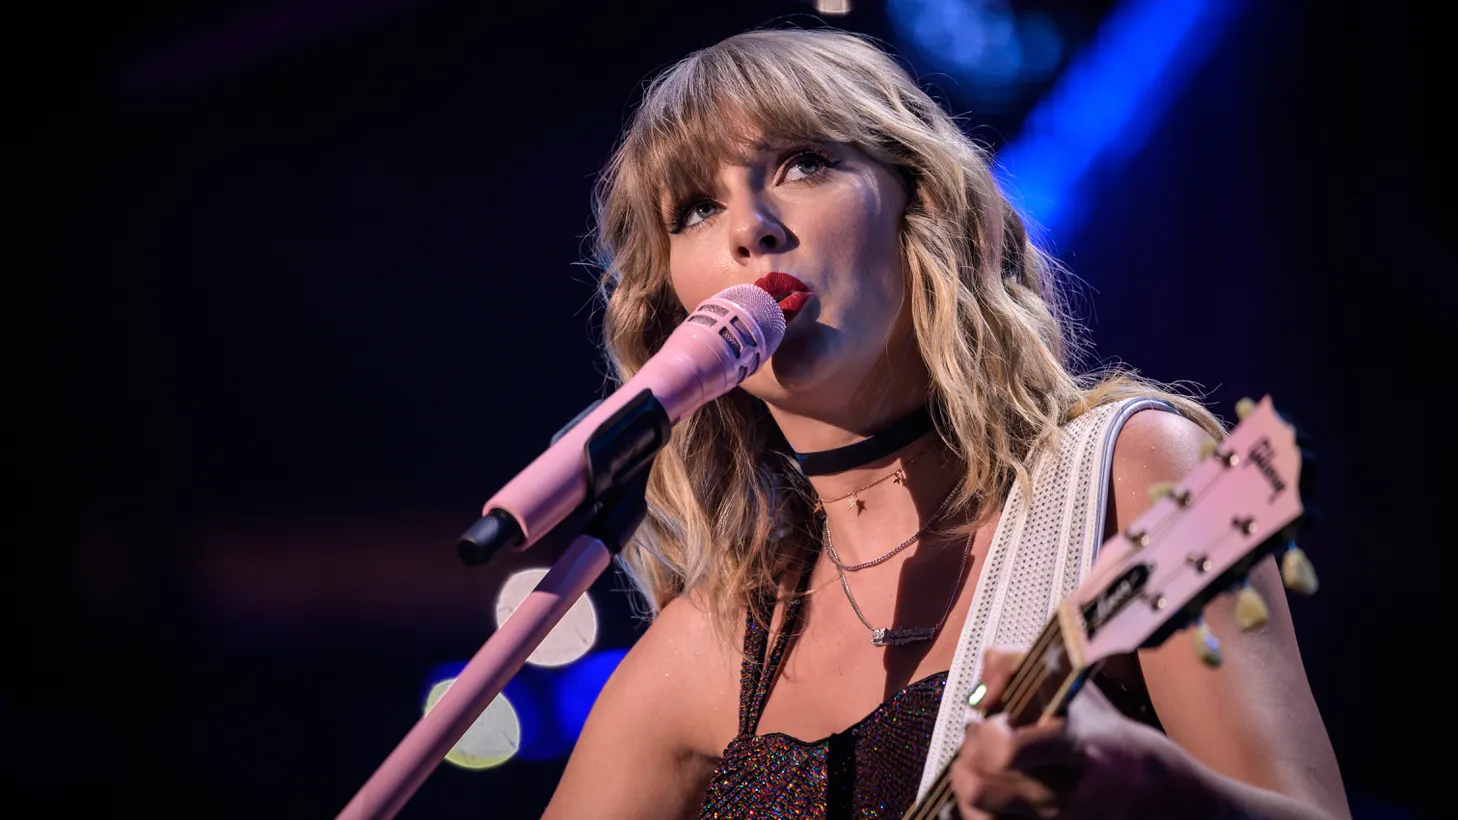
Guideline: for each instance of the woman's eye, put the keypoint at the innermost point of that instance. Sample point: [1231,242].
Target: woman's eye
[803,166]
[696,213]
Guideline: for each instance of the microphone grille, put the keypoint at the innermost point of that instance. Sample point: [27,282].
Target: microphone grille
[762,308]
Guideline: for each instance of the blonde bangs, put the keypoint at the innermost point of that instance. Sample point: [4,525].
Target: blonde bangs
[717,105]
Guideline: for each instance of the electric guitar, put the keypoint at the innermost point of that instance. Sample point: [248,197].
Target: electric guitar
[1199,540]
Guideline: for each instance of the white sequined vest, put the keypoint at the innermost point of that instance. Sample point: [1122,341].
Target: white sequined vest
[1042,548]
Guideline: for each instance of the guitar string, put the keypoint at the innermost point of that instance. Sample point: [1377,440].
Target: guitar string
[1026,680]
[1021,695]
[1017,689]
[1027,670]
[938,796]
[1030,674]
[937,799]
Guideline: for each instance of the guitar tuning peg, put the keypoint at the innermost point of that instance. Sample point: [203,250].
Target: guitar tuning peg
[1250,608]
[1160,489]
[1297,572]
[1244,407]
[1207,646]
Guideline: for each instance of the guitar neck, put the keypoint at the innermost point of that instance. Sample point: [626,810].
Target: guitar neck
[1046,679]
[1198,540]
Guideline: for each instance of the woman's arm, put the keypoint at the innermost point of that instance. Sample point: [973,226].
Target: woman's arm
[1252,723]
[648,747]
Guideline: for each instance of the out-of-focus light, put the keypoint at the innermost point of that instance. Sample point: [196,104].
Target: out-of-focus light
[1105,104]
[832,6]
[532,695]
[578,686]
[490,741]
[991,52]
[569,640]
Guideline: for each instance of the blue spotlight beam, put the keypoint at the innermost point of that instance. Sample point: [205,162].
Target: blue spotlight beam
[1105,104]
[577,689]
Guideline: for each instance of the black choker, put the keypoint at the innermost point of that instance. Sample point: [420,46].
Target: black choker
[878,446]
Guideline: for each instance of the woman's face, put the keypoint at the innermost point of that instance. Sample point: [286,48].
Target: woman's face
[830,217]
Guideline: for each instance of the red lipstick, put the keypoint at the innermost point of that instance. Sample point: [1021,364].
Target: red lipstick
[791,293]
[791,304]
[780,285]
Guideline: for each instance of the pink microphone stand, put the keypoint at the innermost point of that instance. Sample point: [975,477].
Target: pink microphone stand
[618,458]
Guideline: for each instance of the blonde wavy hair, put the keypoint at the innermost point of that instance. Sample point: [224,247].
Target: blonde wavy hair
[727,511]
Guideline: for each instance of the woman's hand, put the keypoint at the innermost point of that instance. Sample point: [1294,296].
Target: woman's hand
[1094,763]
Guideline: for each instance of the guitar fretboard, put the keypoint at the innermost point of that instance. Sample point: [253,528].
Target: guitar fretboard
[1045,680]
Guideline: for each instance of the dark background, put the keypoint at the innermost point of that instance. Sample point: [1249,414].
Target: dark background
[297,290]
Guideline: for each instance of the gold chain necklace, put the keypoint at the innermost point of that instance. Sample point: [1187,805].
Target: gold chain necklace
[856,505]
[835,557]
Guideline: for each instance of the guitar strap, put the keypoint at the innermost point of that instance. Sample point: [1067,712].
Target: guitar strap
[1042,549]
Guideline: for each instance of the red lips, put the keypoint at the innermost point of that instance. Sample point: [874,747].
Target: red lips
[780,285]
[791,293]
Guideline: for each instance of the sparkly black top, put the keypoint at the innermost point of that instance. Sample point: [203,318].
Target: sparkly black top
[871,769]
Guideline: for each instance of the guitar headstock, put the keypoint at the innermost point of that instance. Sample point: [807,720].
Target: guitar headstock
[1199,540]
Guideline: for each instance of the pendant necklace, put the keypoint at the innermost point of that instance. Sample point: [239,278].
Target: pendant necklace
[898,636]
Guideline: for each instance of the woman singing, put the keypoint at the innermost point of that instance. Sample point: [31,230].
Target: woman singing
[835,552]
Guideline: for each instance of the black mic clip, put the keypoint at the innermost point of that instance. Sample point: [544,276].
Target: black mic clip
[619,456]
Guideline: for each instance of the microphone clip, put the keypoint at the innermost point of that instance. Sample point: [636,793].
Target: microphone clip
[619,456]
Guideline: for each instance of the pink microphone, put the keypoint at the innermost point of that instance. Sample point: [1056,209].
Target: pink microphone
[597,464]
[726,338]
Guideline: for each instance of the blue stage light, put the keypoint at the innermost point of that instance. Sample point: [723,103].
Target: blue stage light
[1105,104]
[990,52]
[577,687]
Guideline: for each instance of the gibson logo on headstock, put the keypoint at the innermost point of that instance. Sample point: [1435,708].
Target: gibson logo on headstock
[1115,597]
[1262,454]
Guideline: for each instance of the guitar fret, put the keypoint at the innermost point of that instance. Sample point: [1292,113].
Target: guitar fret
[1020,676]
[1046,669]
[1041,684]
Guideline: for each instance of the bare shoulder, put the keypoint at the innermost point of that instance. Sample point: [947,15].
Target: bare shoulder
[1153,446]
[652,738]
[1157,443]
[1254,719]
[686,652]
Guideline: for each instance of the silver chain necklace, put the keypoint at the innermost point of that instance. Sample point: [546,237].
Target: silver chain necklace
[906,634]
[835,557]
